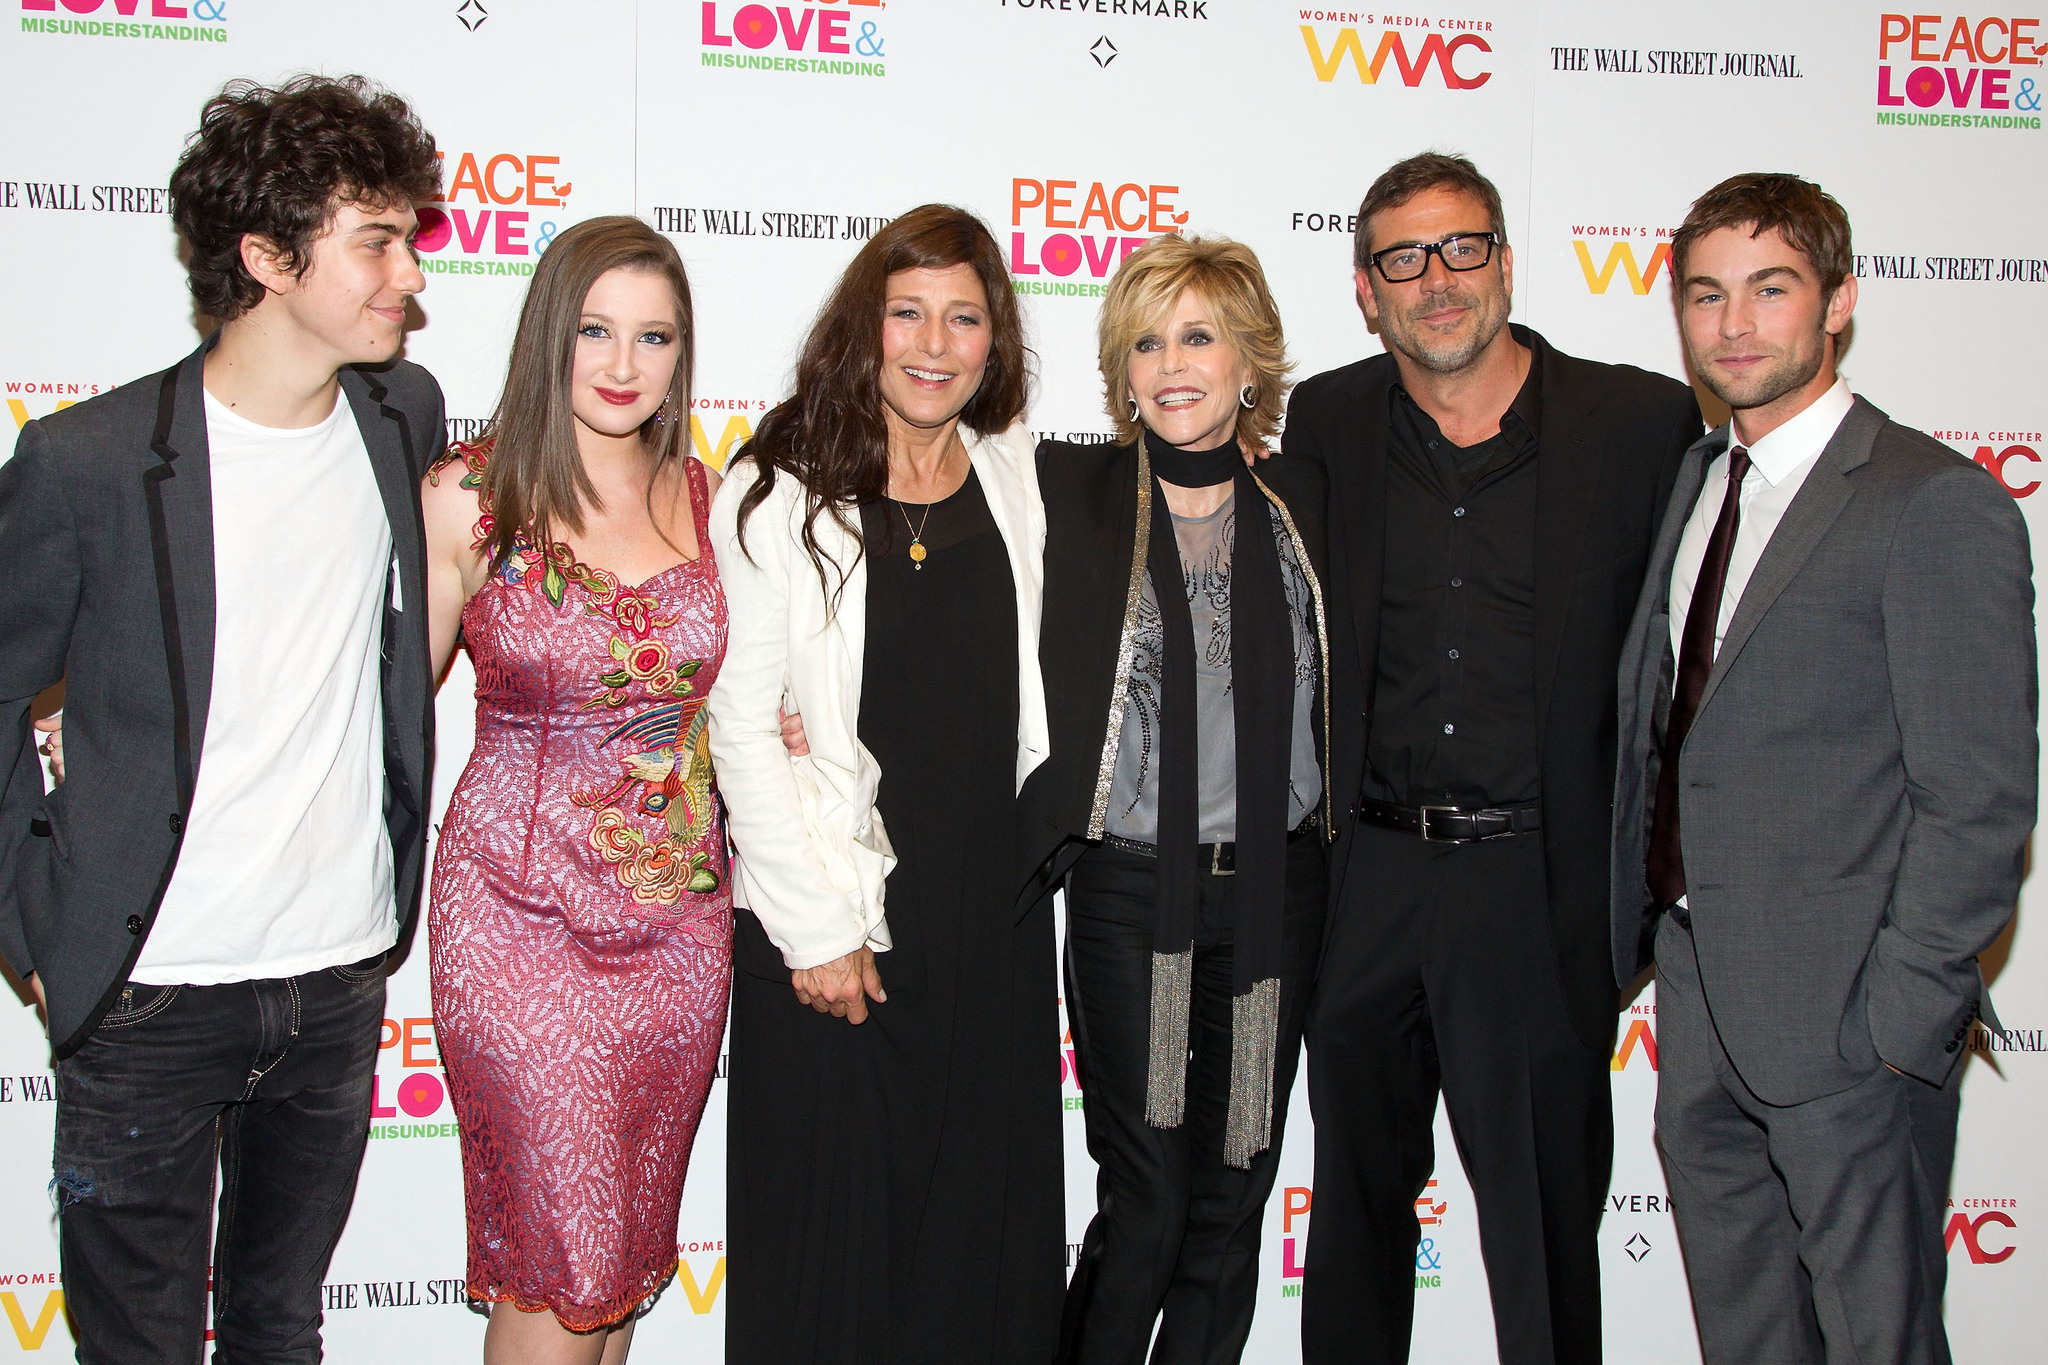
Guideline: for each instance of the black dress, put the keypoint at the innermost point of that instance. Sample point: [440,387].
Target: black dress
[896,1186]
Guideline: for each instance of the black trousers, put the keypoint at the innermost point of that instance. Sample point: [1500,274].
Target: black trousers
[1176,1232]
[270,1080]
[1439,974]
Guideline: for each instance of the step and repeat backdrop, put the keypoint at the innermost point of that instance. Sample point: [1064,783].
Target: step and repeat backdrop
[770,140]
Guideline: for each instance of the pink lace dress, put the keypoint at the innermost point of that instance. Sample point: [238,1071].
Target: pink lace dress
[580,929]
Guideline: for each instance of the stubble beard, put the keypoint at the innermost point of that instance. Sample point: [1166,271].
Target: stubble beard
[1788,374]
[1489,314]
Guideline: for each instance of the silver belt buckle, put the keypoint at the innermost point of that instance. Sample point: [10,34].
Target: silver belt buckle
[1431,838]
[1216,867]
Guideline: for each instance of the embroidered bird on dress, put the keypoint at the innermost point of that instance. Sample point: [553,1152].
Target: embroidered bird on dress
[674,769]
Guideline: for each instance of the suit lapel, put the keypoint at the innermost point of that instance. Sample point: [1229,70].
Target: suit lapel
[178,490]
[1363,520]
[1567,484]
[1819,502]
[388,439]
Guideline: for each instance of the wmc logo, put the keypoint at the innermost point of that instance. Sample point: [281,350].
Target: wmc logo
[1941,65]
[496,228]
[48,396]
[737,430]
[1986,1236]
[1621,259]
[759,38]
[1097,228]
[1639,1036]
[2011,457]
[32,1327]
[1409,42]
[205,20]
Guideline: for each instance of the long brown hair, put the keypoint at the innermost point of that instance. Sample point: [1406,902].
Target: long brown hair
[830,434]
[535,480]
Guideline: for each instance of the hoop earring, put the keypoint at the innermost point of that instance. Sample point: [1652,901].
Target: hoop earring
[1248,397]
[1134,408]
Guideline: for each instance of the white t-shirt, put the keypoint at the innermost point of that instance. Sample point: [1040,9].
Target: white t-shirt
[286,866]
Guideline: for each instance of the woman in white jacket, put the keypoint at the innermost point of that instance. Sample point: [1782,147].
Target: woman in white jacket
[894,1185]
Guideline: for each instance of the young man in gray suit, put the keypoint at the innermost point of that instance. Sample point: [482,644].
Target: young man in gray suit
[1826,782]
[224,563]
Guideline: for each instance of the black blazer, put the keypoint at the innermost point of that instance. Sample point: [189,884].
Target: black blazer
[1609,447]
[1094,555]
[106,523]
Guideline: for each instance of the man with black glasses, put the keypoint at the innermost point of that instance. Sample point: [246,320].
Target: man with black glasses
[1492,505]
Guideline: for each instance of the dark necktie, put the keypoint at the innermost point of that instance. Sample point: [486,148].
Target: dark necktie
[1665,865]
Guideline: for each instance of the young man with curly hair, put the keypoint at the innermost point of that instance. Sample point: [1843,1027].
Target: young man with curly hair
[223,563]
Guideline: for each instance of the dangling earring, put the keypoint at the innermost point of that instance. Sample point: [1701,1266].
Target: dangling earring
[1248,397]
[1134,408]
[667,410]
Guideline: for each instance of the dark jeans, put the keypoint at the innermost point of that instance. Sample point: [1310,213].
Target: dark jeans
[273,1077]
[1439,975]
[1176,1232]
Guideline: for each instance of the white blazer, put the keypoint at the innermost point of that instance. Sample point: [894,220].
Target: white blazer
[810,852]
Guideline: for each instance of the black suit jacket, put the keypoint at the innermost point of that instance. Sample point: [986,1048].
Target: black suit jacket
[1092,543]
[1611,440]
[106,519]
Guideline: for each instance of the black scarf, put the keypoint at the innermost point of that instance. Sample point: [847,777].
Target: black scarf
[1262,705]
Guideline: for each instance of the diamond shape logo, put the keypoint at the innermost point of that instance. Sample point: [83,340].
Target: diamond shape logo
[1104,51]
[472,15]
[1637,1247]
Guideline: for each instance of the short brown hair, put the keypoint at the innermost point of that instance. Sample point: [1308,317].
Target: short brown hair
[535,480]
[1227,277]
[830,435]
[277,162]
[1807,216]
[1404,180]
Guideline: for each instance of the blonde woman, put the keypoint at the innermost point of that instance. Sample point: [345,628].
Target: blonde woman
[1182,808]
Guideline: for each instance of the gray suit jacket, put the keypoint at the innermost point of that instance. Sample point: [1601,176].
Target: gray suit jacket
[106,526]
[1858,786]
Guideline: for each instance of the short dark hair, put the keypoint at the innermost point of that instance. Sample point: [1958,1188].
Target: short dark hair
[277,162]
[1404,180]
[1810,219]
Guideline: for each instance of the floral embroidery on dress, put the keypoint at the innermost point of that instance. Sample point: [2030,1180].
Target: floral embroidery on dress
[669,774]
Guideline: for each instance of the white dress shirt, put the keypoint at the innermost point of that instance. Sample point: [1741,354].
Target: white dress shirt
[1779,464]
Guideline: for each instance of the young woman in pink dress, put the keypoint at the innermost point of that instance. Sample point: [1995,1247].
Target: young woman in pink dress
[580,927]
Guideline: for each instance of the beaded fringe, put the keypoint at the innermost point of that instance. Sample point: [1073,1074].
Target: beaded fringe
[1166,1073]
[1254,1037]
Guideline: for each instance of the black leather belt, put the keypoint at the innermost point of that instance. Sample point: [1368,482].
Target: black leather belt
[1218,860]
[1449,824]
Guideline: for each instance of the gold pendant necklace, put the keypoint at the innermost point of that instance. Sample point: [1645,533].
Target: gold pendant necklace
[917,550]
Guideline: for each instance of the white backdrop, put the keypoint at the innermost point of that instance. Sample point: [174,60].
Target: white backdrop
[768,140]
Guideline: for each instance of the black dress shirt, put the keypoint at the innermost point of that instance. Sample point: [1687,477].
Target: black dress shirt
[1454,703]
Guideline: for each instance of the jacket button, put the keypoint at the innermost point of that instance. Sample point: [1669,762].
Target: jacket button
[135,924]
[177,823]
[1949,1046]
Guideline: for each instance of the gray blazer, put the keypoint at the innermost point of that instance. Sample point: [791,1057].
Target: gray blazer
[1859,783]
[106,529]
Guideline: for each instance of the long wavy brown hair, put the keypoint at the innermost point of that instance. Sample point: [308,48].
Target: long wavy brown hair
[535,480]
[830,434]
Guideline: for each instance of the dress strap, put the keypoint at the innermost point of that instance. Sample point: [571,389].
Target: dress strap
[700,509]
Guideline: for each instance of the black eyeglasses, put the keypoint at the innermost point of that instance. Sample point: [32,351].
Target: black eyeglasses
[1460,251]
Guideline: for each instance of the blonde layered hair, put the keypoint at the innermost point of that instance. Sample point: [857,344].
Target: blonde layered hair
[1227,277]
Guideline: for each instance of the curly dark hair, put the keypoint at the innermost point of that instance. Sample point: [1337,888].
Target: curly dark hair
[277,162]
[830,435]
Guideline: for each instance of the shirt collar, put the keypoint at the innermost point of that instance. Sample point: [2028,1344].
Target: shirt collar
[1519,424]
[1796,444]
